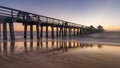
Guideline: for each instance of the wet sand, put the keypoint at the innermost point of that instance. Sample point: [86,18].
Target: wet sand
[86,51]
[48,55]
[88,59]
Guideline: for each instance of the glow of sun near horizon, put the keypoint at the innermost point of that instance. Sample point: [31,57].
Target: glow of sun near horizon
[85,12]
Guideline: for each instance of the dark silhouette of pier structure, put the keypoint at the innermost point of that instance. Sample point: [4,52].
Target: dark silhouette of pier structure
[63,28]
[50,47]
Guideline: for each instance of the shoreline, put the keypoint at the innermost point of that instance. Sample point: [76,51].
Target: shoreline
[85,40]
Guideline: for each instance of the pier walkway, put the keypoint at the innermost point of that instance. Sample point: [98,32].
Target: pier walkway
[63,28]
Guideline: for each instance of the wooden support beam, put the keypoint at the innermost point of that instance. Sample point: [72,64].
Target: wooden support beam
[25,31]
[69,45]
[46,31]
[77,31]
[4,31]
[38,43]
[31,31]
[62,31]
[69,32]
[41,44]
[65,31]
[12,35]
[41,31]
[77,44]
[52,34]
[37,30]
[57,31]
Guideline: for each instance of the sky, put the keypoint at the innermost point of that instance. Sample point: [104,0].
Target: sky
[85,12]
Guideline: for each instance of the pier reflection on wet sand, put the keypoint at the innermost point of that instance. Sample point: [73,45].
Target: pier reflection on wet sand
[58,54]
[42,47]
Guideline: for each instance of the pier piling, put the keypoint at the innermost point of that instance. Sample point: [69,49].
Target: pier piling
[60,32]
[65,31]
[12,35]
[52,34]
[25,31]
[77,31]
[41,31]
[57,31]
[37,30]
[69,32]
[46,31]
[31,31]
[4,31]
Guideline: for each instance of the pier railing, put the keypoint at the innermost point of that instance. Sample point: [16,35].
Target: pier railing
[9,15]
[27,16]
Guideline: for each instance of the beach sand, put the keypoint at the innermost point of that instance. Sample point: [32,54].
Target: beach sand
[83,56]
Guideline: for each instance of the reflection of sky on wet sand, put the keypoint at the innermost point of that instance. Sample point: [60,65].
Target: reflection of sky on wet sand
[63,54]
[54,46]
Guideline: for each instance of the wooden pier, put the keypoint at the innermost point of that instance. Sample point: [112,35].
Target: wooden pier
[63,28]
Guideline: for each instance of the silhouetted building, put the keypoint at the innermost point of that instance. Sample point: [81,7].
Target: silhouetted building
[92,27]
[100,28]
